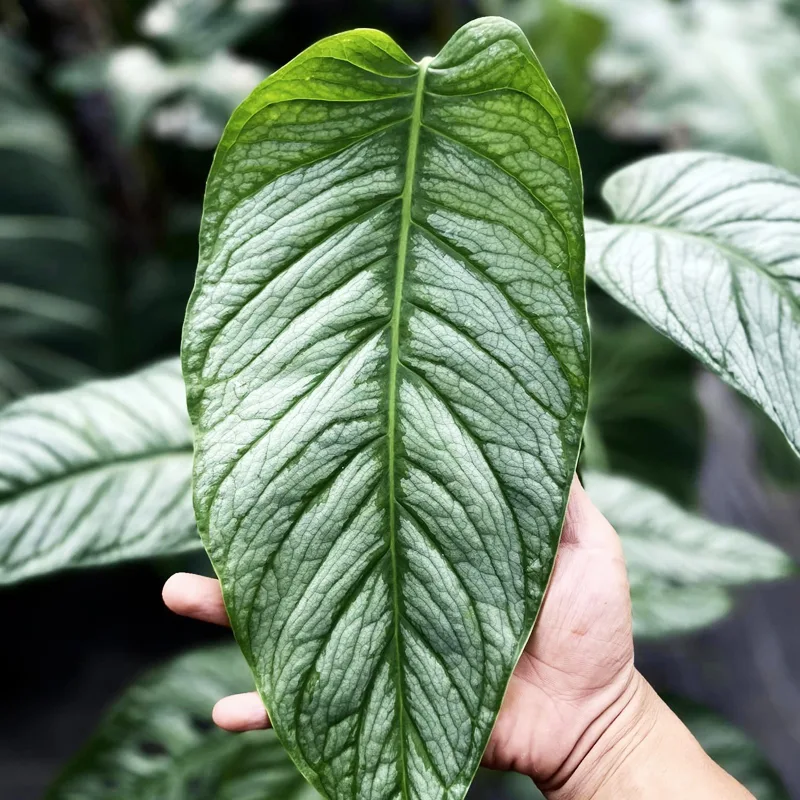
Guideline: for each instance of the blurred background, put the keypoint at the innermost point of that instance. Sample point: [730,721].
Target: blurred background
[109,113]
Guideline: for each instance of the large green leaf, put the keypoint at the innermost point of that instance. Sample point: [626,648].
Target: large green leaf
[158,743]
[680,566]
[706,248]
[386,360]
[95,475]
[715,74]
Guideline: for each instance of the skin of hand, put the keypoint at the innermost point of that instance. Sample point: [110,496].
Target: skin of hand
[577,717]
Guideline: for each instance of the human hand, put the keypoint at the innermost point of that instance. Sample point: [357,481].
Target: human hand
[576,709]
[576,669]
[576,673]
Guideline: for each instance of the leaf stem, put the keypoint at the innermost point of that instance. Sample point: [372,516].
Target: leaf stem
[394,360]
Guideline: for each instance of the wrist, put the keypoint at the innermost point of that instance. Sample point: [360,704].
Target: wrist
[619,739]
[643,752]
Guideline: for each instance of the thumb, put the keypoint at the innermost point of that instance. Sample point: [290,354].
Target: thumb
[584,525]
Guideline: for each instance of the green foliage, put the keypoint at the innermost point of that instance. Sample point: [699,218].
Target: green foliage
[187,101]
[75,463]
[188,95]
[514,787]
[680,566]
[386,361]
[706,249]
[491,785]
[95,475]
[200,28]
[565,36]
[733,750]
[158,743]
[101,473]
[780,467]
[717,74]
[642,401]
[49,253]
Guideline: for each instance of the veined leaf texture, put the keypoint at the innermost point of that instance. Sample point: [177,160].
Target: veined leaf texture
[386,357]
[706,249]
[97,474]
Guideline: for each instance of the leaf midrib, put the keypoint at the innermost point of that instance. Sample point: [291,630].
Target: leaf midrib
[394,361]
[158,454]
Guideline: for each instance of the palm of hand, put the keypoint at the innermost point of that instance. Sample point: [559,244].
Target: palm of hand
[574,670]
[579,661]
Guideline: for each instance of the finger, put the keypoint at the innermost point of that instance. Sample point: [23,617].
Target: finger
[241,712]
[196,597]
[584,525]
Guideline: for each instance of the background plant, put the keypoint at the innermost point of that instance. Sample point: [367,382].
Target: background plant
[108,113]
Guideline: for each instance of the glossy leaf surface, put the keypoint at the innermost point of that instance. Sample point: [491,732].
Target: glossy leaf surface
[679,564]
[706,248]
[158,742]
[96,474]
[386,361]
